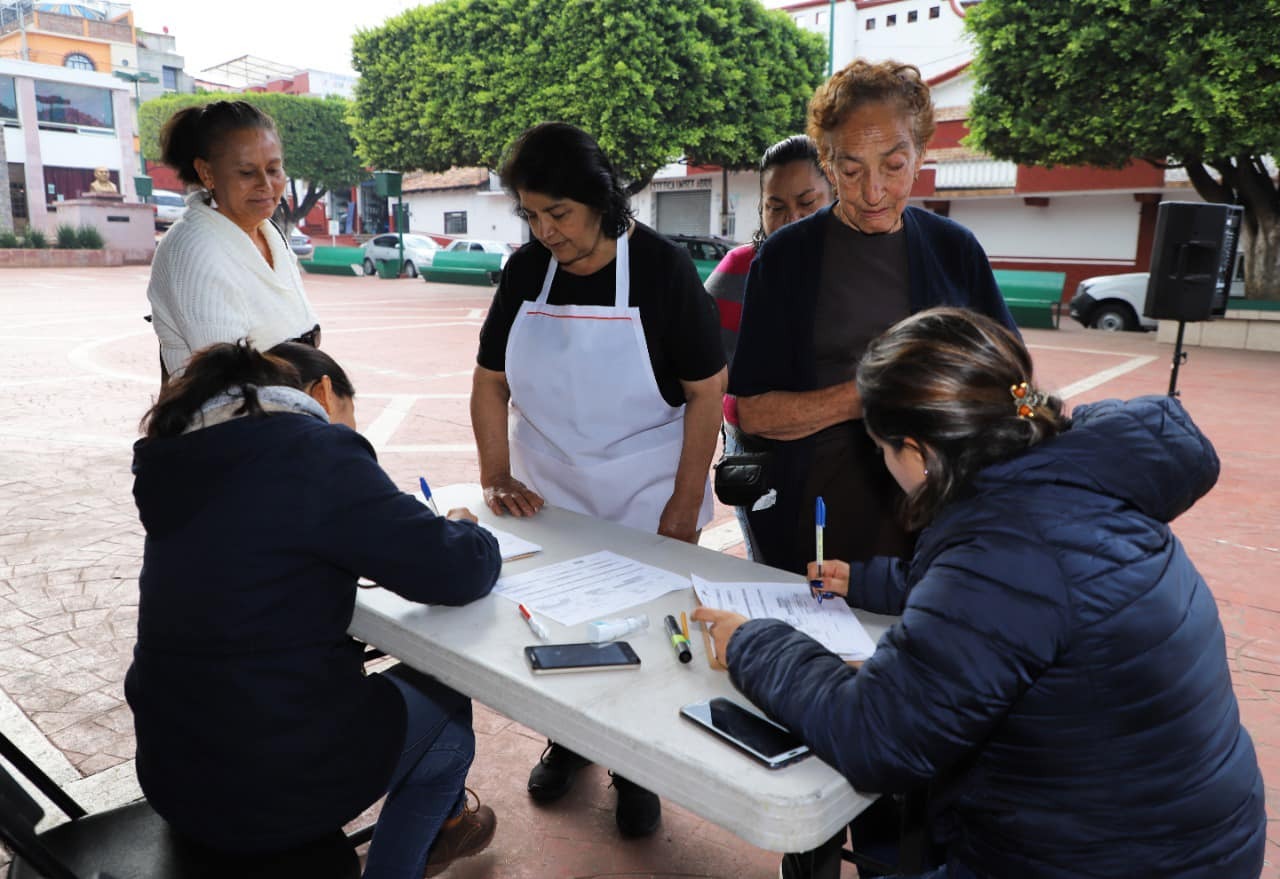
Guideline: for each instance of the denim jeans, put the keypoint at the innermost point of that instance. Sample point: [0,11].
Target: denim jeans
[733,446]
[427,786]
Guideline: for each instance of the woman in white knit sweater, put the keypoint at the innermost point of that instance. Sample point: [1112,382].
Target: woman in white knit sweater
[225,272]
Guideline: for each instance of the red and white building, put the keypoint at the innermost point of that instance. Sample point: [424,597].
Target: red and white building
[1080,220]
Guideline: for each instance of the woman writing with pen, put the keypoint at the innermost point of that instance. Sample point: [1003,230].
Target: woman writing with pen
[258,730]
[1059,677]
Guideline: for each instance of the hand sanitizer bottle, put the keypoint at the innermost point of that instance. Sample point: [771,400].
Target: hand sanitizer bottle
[607,630]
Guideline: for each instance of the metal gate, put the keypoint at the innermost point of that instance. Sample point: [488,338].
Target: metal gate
[684,213]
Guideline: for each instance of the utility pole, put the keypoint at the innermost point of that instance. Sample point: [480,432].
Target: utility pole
[831,38]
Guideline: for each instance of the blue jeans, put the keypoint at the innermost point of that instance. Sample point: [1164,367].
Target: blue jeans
[733,446]
[426,788]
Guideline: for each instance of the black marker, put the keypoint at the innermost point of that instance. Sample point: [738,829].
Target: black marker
[679,643]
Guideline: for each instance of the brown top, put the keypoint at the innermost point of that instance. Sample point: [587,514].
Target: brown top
[865,289]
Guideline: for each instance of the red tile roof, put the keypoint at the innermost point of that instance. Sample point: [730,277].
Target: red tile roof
[454,178]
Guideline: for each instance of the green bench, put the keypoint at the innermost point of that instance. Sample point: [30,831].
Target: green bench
[334,261]
[463,267]
[1034,298]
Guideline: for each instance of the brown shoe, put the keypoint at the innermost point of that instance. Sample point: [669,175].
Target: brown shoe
[465,834]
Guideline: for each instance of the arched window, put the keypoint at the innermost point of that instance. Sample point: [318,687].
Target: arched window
[79,61]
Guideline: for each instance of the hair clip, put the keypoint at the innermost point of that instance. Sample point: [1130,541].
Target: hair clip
[1025,399]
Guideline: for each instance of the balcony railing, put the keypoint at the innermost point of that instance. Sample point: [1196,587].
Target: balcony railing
[976,174]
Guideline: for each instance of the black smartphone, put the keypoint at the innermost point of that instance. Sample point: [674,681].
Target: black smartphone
[766,741]
[555,658]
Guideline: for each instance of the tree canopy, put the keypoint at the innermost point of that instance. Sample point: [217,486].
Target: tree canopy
[454,83]
[1102,82]
[315,135]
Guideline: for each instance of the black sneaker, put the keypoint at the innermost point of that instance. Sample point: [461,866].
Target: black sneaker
[639,811]
[553,776]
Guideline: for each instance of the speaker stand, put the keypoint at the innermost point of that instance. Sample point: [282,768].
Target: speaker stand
[1179,358]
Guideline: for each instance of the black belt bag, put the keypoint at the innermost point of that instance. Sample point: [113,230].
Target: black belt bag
[743,478]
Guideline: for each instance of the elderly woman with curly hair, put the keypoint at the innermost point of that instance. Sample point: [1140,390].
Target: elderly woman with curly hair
[820,290]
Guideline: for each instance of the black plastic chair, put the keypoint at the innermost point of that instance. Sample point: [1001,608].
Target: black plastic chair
[133,842]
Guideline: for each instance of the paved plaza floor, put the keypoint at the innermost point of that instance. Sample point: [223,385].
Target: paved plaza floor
[78,368]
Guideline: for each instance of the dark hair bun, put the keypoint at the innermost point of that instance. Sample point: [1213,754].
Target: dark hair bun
[197,132]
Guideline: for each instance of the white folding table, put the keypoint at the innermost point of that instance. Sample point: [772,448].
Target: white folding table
[627,721]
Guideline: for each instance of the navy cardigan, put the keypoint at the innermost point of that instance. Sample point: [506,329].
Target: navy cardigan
[775,347]
[1059,673]
[256,726]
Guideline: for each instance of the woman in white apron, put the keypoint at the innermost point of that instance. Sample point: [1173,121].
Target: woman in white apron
[599,377]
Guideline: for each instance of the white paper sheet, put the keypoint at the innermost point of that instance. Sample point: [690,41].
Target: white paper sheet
[831,623]
[589,587]
[510,546]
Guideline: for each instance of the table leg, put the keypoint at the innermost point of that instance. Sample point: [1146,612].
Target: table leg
[822,862]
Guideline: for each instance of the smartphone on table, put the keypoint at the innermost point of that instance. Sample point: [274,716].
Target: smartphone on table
[557,658]
[773,745]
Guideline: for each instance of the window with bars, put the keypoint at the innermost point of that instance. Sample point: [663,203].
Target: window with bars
[455,222]
[79,61]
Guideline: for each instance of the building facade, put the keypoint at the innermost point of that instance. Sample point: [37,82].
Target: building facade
[59,124]
[71,79]
[1078,220]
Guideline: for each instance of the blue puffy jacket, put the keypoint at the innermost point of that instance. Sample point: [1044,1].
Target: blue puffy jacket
[1059,673]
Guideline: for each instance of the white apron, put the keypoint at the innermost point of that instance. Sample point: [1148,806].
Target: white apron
[590,430]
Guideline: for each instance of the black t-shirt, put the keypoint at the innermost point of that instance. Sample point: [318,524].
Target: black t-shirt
[680,321]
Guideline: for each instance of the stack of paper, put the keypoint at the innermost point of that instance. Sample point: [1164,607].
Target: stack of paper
[831,623]
[510,546]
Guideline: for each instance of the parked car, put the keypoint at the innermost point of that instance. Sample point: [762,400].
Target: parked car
[418,252]
[705,250]
[475,245]
[300,244]
[1115,302]
[169,207]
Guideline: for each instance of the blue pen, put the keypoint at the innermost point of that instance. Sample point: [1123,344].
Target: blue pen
[819,523]
[426,495]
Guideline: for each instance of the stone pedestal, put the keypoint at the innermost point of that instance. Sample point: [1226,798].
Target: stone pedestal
[128,228]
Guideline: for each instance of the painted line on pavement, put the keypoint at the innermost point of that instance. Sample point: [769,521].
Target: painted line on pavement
[376,396]
[48,381]
[397,327]
[46,338]
[1101,378]
[82,357]
[1038,346]
[54,437]
[1234,545]
[79,318]
[388,420]
[102,790]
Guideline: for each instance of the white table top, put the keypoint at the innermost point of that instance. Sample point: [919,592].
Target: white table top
[627,721]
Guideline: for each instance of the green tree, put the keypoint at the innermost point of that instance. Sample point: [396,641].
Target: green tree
[453,83]
[1101,82]
[318,146]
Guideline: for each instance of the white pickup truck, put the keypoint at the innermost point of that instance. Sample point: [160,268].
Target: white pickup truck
[1115,302]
